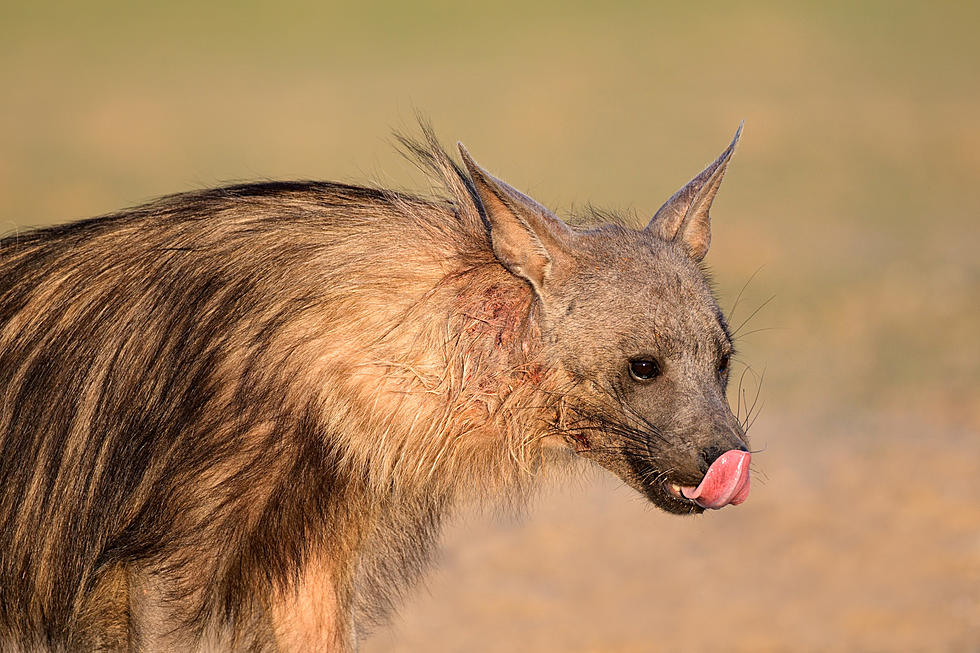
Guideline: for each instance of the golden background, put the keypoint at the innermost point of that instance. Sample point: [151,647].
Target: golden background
[853,201]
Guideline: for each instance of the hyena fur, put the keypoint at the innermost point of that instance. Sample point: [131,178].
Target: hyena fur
[235,419]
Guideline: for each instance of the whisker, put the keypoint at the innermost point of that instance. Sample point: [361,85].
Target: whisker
[731,313]
[753,314]
[749,333]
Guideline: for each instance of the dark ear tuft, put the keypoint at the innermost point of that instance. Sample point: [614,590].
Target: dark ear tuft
[527,238]
[684,217]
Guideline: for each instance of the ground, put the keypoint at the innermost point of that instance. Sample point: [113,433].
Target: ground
[842,546]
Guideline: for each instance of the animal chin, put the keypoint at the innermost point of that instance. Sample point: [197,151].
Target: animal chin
[663,490]
[669,497]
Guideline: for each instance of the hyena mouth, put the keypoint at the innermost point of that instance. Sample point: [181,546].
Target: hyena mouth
[725,483]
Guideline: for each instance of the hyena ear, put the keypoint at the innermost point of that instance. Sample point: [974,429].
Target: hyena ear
[528,239]
[684,217]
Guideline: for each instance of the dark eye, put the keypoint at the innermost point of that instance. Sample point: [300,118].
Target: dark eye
[723,363]
[644,369]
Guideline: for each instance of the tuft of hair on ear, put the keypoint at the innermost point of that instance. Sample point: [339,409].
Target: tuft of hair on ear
[428,155]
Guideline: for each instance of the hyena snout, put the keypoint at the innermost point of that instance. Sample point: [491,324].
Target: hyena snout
[711,428]
[722,461]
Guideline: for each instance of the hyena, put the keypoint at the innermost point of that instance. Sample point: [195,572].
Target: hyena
[235,419]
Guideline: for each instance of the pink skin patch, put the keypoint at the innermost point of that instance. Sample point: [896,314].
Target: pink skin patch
[726,481]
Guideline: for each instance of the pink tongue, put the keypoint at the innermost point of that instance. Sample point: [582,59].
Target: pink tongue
[727,481]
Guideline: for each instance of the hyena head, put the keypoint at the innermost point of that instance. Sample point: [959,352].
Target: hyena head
[630,320]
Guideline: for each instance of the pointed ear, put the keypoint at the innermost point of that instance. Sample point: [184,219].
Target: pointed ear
[528,239]
[684,217]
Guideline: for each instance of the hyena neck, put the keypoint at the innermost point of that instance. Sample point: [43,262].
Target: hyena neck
[502,391]
[498,353]
[452,386]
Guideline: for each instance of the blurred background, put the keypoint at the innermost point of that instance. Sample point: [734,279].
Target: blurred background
[849,216]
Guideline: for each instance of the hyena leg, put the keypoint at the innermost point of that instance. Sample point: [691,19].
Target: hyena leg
[104,620]
[309,616]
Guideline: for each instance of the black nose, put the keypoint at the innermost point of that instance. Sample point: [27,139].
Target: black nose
[711,454]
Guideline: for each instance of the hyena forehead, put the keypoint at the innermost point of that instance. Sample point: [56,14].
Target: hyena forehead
[639,291]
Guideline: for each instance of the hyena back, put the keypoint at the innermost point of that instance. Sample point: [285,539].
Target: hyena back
[234,419]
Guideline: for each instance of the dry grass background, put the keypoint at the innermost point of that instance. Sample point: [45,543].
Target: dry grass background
[855,196]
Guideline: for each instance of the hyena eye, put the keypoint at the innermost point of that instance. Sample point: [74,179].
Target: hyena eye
[723,363]
[644,369]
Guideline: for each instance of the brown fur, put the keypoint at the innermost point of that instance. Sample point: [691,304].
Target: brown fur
[235,419]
